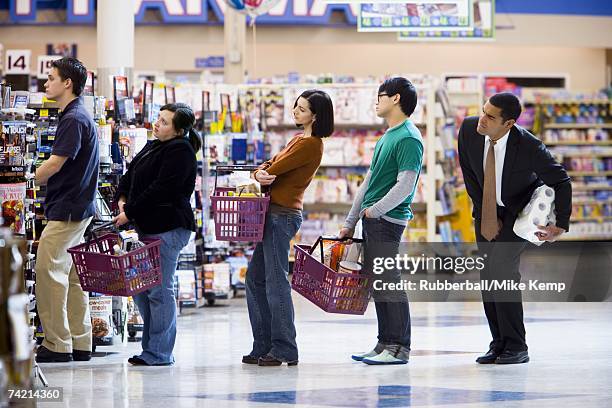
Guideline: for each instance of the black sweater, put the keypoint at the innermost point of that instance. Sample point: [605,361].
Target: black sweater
[158,186]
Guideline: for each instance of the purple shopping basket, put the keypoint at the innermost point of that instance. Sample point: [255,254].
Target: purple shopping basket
[118,275]
[333,292]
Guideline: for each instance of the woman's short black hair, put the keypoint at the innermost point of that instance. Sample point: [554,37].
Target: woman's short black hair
[183,122]
[322,107]
[74,69]
[509,104]
[403,87]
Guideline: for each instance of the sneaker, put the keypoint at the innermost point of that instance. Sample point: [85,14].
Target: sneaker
[376,351]
[384,358]
[44,355]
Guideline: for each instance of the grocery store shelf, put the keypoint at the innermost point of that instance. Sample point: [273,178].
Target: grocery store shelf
[574,101]
[590,173]
[328,207]
[578,126]
[591,219]
[599,237]
[591,187]
[578,143]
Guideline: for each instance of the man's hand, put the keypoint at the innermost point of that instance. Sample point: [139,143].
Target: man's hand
[346,233]
[264,178]
[121,219]
[120,205]
[549,233]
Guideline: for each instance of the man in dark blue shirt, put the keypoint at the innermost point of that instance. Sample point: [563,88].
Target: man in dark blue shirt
[71,175]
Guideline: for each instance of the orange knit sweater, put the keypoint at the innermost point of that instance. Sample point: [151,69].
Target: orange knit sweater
[294,168]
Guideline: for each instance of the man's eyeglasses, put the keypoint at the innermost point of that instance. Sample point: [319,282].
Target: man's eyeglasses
[382,94]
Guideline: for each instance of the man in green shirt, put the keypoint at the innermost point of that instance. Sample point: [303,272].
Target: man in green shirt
[383,204]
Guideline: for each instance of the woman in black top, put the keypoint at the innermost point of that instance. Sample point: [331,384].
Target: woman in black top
[155,195]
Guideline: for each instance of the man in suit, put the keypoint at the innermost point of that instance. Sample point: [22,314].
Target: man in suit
[502,165]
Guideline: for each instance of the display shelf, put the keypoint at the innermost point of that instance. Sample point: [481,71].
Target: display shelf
[578,126]
[590,219]
[590,173]
[595,237]
[591,187]
[578,143]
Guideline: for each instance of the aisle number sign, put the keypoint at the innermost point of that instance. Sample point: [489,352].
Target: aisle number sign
[44,65]
[17,62]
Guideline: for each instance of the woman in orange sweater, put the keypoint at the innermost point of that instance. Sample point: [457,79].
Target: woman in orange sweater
[267,285]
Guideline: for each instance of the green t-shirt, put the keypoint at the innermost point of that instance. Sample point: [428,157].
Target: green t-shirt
[400,149]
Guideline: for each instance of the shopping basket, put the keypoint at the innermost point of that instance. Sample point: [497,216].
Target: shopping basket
[238,218]
[334,292]
[119,275]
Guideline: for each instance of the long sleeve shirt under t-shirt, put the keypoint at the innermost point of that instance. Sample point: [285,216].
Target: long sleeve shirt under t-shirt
[294,168]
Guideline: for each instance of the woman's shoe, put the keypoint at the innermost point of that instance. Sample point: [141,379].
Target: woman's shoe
[269,361]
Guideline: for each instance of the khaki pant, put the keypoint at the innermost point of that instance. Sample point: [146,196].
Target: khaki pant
[62,305]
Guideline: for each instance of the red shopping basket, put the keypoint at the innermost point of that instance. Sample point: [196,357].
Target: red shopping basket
[238,218]
[334,292]
[119,275]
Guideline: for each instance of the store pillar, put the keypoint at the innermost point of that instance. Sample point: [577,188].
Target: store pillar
[115,19]
[234,29]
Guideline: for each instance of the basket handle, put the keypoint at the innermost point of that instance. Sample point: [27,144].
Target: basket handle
[92,233]
[238,167]
[320,240]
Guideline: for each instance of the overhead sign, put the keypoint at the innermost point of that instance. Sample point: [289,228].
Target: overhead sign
[17,62]
[483,30]
[44,65]
[416,16]
[214,61]
[190,11]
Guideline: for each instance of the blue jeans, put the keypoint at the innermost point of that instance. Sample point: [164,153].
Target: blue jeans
[269,292]
[157,305]
[381,239]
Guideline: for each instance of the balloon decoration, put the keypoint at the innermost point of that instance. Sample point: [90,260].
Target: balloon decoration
[252,8]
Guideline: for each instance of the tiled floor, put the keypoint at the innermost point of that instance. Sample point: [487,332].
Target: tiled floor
[570,347]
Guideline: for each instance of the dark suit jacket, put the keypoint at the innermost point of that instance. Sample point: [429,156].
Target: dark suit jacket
[527,165]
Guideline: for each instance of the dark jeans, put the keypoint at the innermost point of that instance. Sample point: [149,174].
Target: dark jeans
[504,310]
[269,292]
[381,239]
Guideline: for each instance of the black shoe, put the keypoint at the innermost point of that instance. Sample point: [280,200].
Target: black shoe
[80,355]
[489,357]
[137,361]
[44,355]
[249,359]
[513,357]
[269,361]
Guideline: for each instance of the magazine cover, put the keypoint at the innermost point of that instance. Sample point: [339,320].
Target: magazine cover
[12,197]
[13,143]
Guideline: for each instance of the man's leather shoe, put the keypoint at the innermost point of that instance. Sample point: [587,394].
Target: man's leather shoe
[269,361]
[489,357]
[249,359]
[44,355]
[512,357]
[80,355]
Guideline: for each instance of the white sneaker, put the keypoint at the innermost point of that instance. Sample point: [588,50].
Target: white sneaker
[376,351]
[384,358]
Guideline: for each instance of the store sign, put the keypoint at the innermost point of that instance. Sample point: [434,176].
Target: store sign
[214,61]
[17,62]
[423,15]
[193,11]
[44,65]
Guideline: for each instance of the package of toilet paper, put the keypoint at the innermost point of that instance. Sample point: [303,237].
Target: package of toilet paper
[539,211]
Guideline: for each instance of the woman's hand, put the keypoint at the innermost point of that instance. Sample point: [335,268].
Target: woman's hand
[121,219]
[264,178]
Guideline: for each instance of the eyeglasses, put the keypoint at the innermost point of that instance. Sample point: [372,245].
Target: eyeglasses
[382,94]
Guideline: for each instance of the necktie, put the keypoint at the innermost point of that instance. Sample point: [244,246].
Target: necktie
[489,227]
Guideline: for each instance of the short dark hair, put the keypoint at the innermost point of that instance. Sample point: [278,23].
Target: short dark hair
[320,105]
[73,69]
[509,104]
[183,121]
[407,92]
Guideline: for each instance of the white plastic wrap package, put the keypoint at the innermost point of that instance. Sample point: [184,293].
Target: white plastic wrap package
[539,211]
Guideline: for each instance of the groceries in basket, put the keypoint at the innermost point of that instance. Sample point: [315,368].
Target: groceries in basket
[329,275]
[244,185]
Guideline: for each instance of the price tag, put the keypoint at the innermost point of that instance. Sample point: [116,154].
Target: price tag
[44,113]
[44,65]
[17,62]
